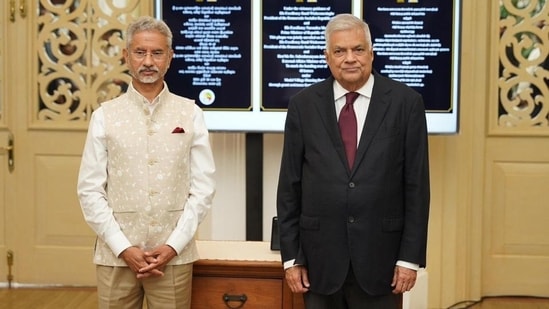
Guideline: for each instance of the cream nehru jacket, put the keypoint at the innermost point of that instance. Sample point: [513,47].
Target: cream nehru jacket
[148,171]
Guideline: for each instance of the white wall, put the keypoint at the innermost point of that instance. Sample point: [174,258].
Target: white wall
[226,220]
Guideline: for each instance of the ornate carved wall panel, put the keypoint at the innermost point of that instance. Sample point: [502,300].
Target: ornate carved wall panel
[515,251]
[79,59]
[523,84]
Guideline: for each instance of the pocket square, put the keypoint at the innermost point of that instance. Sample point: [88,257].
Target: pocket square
[178,130]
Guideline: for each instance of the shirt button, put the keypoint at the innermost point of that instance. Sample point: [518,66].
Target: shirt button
[351,185]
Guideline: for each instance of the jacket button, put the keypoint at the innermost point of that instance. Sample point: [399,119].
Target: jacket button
[351,219]
[351,185]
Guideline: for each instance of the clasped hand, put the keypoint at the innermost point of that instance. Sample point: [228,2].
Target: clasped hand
[148,263]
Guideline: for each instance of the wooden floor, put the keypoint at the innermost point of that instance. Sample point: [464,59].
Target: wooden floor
[86,298]
[48,298]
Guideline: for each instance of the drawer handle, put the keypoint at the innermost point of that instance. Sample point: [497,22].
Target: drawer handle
[234,298]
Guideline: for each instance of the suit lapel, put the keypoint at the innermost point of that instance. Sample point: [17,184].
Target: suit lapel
[326,109]
[379,103]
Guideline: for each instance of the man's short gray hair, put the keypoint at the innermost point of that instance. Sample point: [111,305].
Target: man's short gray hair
[342,22]
[147,23]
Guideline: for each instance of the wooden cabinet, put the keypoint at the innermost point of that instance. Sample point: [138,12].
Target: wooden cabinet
[241,284]
[248,275]
[254,278]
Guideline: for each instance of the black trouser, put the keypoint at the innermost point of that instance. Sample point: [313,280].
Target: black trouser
[351,296]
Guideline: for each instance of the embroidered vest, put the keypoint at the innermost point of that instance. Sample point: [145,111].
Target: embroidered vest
[148,171]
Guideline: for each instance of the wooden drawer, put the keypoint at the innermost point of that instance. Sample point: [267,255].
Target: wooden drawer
[262,284]
[212,292]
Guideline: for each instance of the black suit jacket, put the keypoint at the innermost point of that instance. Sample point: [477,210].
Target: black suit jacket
[369,216]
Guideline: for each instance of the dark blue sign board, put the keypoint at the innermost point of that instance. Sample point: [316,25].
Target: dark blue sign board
[212,45]
[414,43]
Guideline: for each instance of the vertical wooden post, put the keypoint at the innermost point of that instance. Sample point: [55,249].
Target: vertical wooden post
[254,186]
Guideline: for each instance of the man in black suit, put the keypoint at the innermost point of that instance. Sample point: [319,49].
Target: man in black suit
[353,217]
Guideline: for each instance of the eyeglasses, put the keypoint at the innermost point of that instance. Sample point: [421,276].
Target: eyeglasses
[156,55]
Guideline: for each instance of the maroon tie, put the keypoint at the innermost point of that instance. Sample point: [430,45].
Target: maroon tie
[347,127]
